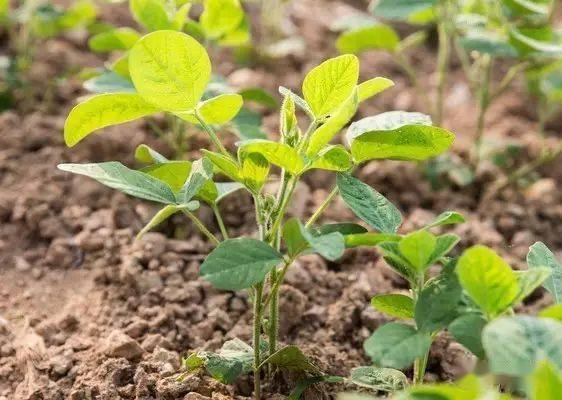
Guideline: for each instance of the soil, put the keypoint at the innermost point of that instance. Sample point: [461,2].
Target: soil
[87,313]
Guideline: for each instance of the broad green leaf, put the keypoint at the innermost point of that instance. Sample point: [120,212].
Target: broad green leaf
[260,96]
[469,388]
[395,305]
[528,7]
[166,213]
[293,359]
[298,238]
[554,312]
[225,164]
[221,109]
[445,243]
[237,264]
[324,134]
[148,155]
[447,218]
[374,378]
[368,204]
[276,153]
[220,17]
[170,70]
[101,111]
[328,85]
[540,256]
[467,330]
[396,345]
[486,42]
[395,259]
[255,170]
[400,9]
[530,280]
[151,14]
[535,41]
[488,279]
[117,176]
[437,304]
[372,87]
[299,101]
[109,82]
[417,247]
[545,382]
[514,345]
[397,135]
[248,125]
[374,37]
[333,158]
[226,188]
[304,383]
[121,67]
[172,173]
[238,37]
[369,239]
[345,228]
[201,172]
[180,17]
[115,39]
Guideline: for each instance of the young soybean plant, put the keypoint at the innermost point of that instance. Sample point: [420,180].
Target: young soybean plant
[170,71]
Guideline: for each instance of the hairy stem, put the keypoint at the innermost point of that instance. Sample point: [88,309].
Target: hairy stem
[202,227]
[212,134]
[258,294]
[322,207]
[220,221]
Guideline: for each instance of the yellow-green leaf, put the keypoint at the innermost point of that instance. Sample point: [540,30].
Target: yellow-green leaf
[372,87]
[104,110]
[170,69]
[226,165]
[328,85]
[255,169]
[151,14]
[166,213]
[220,17]
[374,37]
[395,305]
[221,109]
[333,158]
[115,39]
[276,153]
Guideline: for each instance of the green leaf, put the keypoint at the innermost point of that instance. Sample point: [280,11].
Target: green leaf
[528,7]
[400,9]
[396,260]
[368,204]
[220,17]
[276,153]
[467,330]
[298,238]
[260,96]
[333,158]
[396,345]
[121,67]
[148,155]
[488,279]
[530,280]
[445,243]
[247,125]
[225,164]
[417,247]
[372,87]
[255,170]
[328,85]
[374,37]
[447,218]
[554,312]
[438,301]
[468,388]
[535,41]
[117,176]
[345,228]
[166,213]
[226,188]
[305,383]
[324,134]
[237,264]
[293,359]
[397,135]
[486,42]
[395,305]
[170,70]
[370,239]
[540,256]
[201,172]
[374,378]
[109,82]
[151,14]
[221,109]
[114,39]
[172,173]
[545,382]
[299,101]
[515,345]
[101,111]
[180,17]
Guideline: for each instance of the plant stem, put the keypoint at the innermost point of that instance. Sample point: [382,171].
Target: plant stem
[483,105]
[202,227]
[442,67]
[212,134]
[322,207]
[258,294]
[220,221]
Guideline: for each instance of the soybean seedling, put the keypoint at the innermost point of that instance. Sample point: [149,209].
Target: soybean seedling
[331,95]
[27,26]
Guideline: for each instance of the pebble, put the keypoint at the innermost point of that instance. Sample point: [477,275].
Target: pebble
[119,344]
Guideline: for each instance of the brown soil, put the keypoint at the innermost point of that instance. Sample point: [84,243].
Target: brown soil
[86,313]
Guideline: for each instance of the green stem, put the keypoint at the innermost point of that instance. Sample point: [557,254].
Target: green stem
[258,294]
[442,68]
[202,227]
[212,134]
[322,207]
[220,221]
[483,105]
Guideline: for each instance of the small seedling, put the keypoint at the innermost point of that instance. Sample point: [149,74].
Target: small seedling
[331,95]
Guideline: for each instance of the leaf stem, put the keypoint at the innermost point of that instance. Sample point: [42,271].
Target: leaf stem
[201,227]
[212,134]
[322,207]
[220,221]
